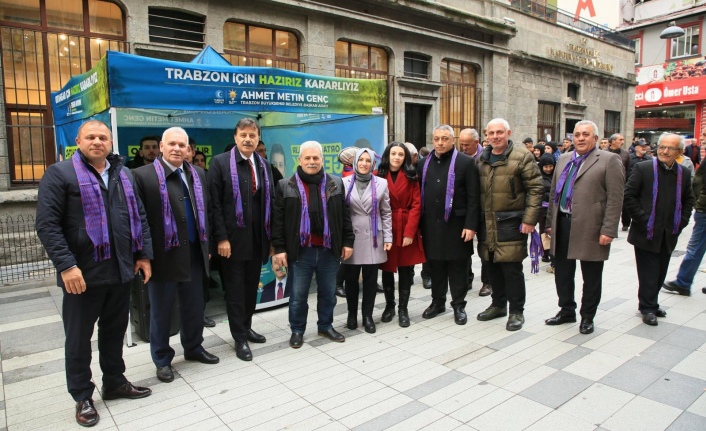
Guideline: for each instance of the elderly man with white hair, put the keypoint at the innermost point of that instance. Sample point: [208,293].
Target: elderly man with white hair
[312,232]
[585,204]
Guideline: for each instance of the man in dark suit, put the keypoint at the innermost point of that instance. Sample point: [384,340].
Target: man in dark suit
[175,195]
[92,224]
[277,288]
[241,228]
[585,203]
[450,217]
[659,198]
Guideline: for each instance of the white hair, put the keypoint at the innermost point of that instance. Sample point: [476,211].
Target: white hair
[499,121]
[682,141]
[311,144]
[589,123]
[412,149]
[445,127]
[175,130]
[472,132]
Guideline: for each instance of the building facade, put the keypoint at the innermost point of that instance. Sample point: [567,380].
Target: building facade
[460,62]
[671,73]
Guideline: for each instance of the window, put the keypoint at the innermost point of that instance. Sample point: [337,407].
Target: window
[249,45]
[547,121]
[612,123]
[416,65]
[573,91]
[37,60]
[686,45]
[354,60]
[177,28]
[638,49]
[459,95]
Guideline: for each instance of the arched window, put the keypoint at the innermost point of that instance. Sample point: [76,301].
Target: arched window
[249,45]
[355,60]
[458,95]
[39,58]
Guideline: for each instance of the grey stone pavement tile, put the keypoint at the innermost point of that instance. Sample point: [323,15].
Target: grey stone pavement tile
[556,389]
[688,422]
[409,373]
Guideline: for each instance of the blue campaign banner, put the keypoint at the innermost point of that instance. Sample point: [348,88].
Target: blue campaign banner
[66,135]
[334,134]
[143,82]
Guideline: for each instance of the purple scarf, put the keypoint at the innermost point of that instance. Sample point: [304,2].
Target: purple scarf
[450,180]
[536,250]
[577,162]
[94,214]
[374,212]
[677,211]
[304,221]
[239,219]
[171,238]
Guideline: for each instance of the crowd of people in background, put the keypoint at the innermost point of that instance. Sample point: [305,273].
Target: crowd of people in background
[171,221]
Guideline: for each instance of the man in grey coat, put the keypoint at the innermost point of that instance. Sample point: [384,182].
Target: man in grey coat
[584,210]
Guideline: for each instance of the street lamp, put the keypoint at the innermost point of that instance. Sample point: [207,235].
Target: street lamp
[672,31]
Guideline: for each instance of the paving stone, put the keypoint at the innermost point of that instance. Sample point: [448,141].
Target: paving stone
[653,332]
[663,355]
[393,417]
[676,390]
[512,339]
[633,376]
[580,339]
[688,338]
[607,305]
[688,422]
[569,357]
[22,298]
[434,385]
[33,371]
[556,389]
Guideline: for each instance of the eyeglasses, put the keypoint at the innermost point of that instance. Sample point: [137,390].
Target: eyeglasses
[443,138]
[669,149]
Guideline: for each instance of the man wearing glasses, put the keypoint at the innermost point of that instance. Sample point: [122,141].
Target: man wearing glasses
[585,203]
[659,199]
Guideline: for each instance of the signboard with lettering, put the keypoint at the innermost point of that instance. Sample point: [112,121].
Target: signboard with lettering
[684,90]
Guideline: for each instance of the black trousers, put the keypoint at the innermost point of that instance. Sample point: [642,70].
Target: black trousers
[109,305]
[426,270]
[448,275]
[625,217]
[651,273]
[162,295]
[469,272]
[240,282]
[404,275]
[565,273]
[508,283]
[370,282]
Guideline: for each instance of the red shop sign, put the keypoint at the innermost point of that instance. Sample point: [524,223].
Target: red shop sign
[682,90]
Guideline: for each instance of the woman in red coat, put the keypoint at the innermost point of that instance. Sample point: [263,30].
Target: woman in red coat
[405,200]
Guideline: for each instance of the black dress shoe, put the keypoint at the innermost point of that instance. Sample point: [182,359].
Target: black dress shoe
[333,335]
[126,390]
[204,357]
[703,290]
[165,374]
[340,291]
[674,287]
[352,321]
[433,310]
[369,324]
[460,316]
[515,322]
[254,337]
[426,282]
[660,313]
[650,319]
[486,290]
[586,326]
[86,414]
[560,319]
[242,351]
[208,322]
[296,340]
[491,313]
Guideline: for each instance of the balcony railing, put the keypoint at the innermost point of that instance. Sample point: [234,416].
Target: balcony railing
[550,13]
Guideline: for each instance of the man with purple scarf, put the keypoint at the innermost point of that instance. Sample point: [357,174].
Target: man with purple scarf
[584,210]
[659,198]
[94,229]
[242,194]
[311,233]
[175,194]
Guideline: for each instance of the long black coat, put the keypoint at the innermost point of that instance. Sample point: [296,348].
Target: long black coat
[62,229]
[223,205]
[638,202]
[442,240]
[172,265]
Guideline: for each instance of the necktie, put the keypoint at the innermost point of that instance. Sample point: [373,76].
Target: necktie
[252,176]
[190,219]
[280,290]
[567,184]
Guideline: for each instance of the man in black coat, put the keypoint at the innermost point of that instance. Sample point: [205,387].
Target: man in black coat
[241,219]
[95,232]
[450,218]
[615,145]
[175,194]
[657,220]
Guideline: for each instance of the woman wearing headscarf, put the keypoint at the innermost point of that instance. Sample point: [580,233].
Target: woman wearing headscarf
[553,149]
[368,201]
[407,250]
[538,151]
[546,167]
